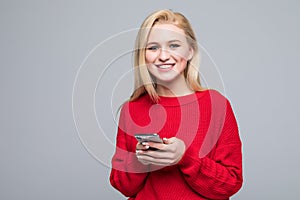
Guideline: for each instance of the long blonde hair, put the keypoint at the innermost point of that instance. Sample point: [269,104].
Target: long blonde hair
[143,82]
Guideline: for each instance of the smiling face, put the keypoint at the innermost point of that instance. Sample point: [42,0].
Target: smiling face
[167,52]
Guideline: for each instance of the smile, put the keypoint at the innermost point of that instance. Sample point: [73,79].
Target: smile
[165,65]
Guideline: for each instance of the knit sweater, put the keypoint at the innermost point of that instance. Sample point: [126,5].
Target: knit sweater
[211,167]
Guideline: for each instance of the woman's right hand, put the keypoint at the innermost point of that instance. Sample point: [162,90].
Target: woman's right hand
[140,147]
[165,154]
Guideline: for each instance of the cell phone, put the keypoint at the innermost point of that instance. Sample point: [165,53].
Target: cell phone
[148,137]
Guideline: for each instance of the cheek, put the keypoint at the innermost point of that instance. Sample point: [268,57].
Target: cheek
[150,56]
[182,65]
[182,62]
[183,54]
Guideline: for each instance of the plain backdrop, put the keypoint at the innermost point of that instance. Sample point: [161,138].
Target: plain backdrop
[255,45]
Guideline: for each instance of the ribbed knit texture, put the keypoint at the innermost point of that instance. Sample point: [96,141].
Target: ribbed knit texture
[211,167]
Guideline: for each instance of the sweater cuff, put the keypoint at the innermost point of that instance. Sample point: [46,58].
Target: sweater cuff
[135,166]
[128,162]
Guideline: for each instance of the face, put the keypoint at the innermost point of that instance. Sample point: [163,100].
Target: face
[167,52]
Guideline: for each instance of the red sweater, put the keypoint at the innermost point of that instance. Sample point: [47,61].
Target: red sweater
[211,167]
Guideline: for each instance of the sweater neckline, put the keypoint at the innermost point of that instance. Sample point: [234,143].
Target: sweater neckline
[181,100]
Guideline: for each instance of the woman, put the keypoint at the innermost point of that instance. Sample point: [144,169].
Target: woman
[200,157]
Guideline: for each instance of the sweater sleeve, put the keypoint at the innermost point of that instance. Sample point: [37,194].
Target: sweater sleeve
[218,175]
[127,175]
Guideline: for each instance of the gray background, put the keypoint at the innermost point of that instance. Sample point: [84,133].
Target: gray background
[254,43]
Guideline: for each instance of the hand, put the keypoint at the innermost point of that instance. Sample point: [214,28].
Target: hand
[168,153]
[140,148]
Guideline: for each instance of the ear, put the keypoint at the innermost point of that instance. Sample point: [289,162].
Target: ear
[191,54]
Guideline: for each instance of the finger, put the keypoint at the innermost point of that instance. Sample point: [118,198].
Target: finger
[155,145]
[143,161]
[158,154]
[140,146]
[169,140]
[150,160]
[141,157]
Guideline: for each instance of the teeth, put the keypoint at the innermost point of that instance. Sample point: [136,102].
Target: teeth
[164,66]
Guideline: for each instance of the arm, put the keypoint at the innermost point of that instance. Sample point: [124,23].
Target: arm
[218,175]
[128,175]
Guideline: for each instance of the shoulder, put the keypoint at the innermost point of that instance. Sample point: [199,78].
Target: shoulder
[139,104]
[142,101]
[217,103]
[211,95]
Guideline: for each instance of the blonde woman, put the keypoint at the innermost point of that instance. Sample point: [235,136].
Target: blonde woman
[200,153]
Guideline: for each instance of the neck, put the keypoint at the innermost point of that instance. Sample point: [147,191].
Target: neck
[173,88]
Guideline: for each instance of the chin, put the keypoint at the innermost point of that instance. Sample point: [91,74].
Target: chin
[167,80]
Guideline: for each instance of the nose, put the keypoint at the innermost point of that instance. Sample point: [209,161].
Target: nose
[164,55]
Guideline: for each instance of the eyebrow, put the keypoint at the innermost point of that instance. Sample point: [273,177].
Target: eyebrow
[174,41]
[170,41]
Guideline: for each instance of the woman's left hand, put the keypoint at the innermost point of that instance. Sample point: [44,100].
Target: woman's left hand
[168,153]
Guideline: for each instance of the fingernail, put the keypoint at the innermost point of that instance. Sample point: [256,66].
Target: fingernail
[147,147]
[138,151]
[145,143]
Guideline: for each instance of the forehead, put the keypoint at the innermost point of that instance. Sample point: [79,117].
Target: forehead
[166,32]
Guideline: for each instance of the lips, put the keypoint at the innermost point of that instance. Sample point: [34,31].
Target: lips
[165,65]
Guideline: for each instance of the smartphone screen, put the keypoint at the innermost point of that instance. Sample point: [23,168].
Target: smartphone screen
[148,137]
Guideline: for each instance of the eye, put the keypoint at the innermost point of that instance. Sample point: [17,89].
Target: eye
[174,46]
[153,48]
